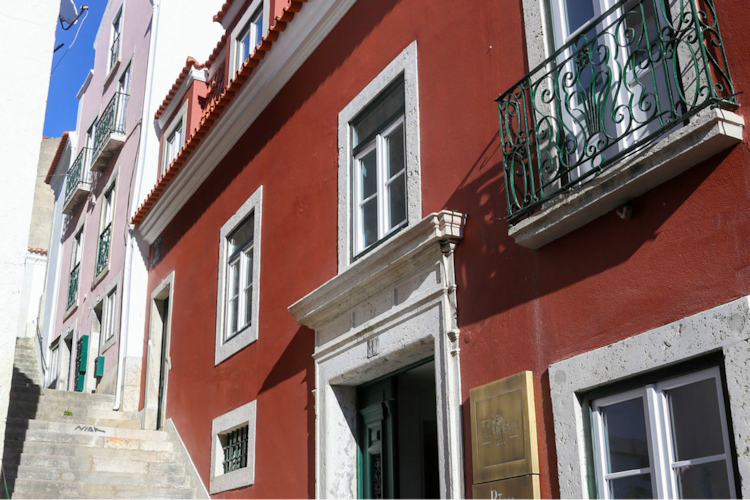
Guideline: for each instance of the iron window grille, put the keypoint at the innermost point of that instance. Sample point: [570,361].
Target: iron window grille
[110,122]
[623,80]
[103,254]
[78,174]
[235,449]
[73,286]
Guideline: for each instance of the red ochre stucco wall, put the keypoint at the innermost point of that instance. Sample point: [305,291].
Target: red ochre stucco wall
[684,250]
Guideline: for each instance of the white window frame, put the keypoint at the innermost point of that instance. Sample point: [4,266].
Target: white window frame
[53,374]
[249,13]
[123,88]
[659,435]
[110,316]
[106,217]
[244,337]
[220,426]
[178,121]
[403,66]
[725,329]
[88,142]
[120,17]
[76,256]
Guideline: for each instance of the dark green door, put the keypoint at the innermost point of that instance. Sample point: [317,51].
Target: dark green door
[162,365]
[377,440]
[82,352]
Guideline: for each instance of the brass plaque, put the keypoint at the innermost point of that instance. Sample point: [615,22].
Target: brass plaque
[503,429]
[517,487]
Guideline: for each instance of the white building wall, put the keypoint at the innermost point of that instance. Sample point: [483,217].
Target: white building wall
[27,38]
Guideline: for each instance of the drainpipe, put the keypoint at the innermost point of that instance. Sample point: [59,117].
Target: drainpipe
[131,247]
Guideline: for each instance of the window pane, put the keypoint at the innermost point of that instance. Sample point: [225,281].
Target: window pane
[696,422]
[248,305]
[625,434]
[395,155]
[703,481]
[369,177]
[369,220]
[578,12]
[397,201]
[232,321]
[378,114]
[631,487]
[242,235]
[258,22]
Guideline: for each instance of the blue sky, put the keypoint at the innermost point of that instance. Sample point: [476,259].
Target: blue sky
[72,69]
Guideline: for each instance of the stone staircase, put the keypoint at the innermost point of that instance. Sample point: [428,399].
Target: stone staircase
[61,444]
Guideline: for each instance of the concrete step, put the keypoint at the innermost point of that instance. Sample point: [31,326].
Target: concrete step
[32,488]
[41,426]
[25,421]
[31,391]
[97,440]
[15,449]
[123,463]
[53,411]
[97,477]
[41,401]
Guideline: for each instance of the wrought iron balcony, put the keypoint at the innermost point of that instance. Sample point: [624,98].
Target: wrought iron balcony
[102,257]
[110,132]
[77,183]
[73,286]
[626,79]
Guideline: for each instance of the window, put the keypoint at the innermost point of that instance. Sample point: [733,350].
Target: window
[54,364]
[665,440]
[88,144]
[239,290]
[75,268]
[239,269]
[105,230]
[378,151]
[123,93]
[249,37]
[233,449]
[379,178]
[174,138]
[114,47]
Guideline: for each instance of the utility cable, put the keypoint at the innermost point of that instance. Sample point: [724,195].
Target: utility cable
[71,43]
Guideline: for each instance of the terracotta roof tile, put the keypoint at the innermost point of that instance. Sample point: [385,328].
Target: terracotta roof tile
[217,51]
[213,112]
[39,251]
[190,63]
[56,159]
[223,12]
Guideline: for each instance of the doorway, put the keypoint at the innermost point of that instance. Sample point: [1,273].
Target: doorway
[157,369]
[397,435]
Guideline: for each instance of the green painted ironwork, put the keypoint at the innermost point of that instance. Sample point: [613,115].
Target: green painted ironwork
[73,286]
[628,77]
[5,484]
[235,449]
[82,349]
[111,121]
[114,51]
[102,257]
[78,173]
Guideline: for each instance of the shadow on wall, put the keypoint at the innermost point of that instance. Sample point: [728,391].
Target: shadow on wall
[23,405]
[297,358]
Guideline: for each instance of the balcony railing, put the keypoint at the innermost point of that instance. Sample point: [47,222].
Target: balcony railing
[73,286]
[78,182]
[627,78]
[110,131]
[102,257]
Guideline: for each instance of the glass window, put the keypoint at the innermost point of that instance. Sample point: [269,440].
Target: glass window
[123,91]
[249,37]
[379,152]
[114,50]
[172,146]
[108,316]
[239,291]
[665,440]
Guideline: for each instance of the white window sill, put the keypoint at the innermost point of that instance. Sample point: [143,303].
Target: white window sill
[708,133]
[112,72]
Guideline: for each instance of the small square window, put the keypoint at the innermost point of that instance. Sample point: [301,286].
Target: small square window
[233,449]
[665,440]
[239,269]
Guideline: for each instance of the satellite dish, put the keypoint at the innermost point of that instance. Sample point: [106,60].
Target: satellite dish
[68,11]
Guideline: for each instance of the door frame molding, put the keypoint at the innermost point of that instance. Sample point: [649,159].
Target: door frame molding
[153,358]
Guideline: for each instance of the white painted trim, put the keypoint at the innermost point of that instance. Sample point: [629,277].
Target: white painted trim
[232,40]
[404,64]
[195,74]
[119,11]
[303,35]
[113,285]
[85,84]
[111,184]
[725,327]
[403,294]
[181,118]
[238,417]
[245,337]
[153,352]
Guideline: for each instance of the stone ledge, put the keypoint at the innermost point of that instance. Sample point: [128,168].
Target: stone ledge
[708,133]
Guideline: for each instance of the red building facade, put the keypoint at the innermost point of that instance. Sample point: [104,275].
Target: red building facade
[345,237]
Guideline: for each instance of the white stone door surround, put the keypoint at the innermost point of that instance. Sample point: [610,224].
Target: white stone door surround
[400,301]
